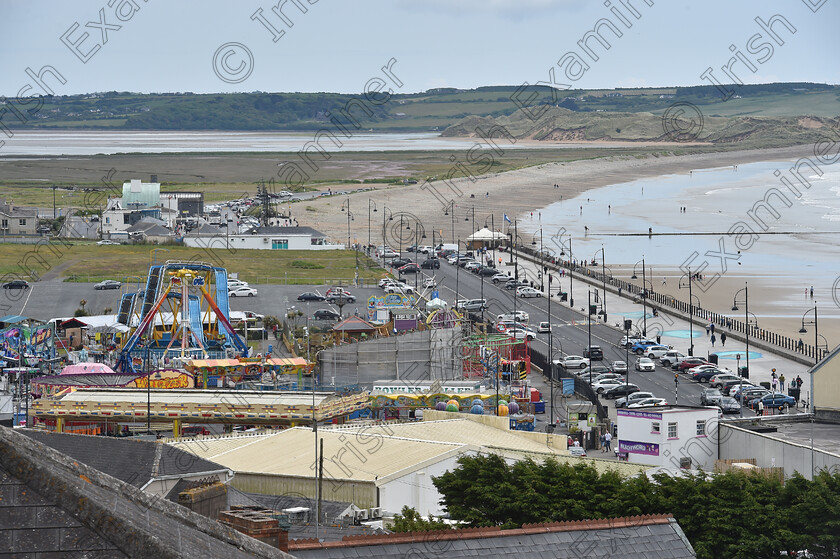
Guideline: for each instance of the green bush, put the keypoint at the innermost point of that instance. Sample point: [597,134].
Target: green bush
[306,265]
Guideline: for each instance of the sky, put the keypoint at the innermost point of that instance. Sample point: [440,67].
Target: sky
[340,45]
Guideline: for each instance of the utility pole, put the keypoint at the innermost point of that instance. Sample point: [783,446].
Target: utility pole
[550,348]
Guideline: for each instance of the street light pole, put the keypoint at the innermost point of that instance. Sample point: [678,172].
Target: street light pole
[370,203]
[603,276]
[550,349]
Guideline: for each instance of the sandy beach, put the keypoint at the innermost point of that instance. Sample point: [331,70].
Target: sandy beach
[520,192]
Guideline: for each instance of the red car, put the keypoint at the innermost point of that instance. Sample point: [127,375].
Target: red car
[690,362]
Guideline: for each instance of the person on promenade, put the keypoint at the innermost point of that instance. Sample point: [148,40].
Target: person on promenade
[712,339]
[607,441]
[782,382]
[723,338]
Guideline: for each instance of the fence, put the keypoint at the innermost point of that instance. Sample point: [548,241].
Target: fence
[732,324]
[582,388]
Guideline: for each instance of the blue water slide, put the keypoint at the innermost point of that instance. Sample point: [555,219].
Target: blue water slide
[150,295]
[126,303]
[195,319]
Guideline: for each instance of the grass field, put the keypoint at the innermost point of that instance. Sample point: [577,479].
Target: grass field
[88,262]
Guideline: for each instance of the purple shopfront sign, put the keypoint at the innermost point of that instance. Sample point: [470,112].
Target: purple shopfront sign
[638,448]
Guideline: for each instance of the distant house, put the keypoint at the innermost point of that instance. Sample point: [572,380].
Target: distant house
[150,229]
[15,220]
[265,238]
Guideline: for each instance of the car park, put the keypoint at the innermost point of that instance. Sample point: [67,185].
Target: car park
[623,389]
[728,404]
[242,292]
[521,316]
[605,384]
[775,400]
[619,367]
[648,402]
[16,284]
[594,352]
[633,398]
[310,296]
[107,284]
[710,396]
[656,351]
[645,364]
[544,327]
[574,362]
[528,292]
[325,314]
[671,357]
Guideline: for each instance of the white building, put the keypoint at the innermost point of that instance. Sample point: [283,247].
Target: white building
[266,238]
[669,436]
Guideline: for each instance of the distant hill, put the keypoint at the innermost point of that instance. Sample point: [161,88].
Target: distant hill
[558,124]
[432,110]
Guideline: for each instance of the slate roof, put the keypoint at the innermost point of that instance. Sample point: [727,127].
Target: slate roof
[54,506]
[133,461]
[640,537]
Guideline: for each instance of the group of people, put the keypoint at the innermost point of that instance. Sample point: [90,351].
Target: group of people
[710,331]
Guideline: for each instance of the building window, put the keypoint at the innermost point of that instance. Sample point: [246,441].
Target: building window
[701,428]
[5,224]
[281,244]
[654,427]
[23,222]
[672,430]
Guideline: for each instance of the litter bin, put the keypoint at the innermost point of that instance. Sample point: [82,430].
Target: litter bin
[713,358]
[793,391]
[744,372]
[564,296]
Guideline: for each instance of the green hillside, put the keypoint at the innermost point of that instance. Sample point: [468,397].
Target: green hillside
[430,110]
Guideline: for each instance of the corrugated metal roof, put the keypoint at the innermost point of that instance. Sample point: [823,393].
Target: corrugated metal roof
[202,397]
[347,455]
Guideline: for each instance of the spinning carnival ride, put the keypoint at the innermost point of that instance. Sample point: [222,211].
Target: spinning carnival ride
[177,315]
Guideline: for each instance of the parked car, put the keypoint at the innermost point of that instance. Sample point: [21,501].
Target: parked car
[774,400]
[384,282]
[471,266]
[606,384]
[409,269]
[399,288]
[645,364]
[574,362]
[640,346]
[619,367]
[656,351]
[521,334]
[544,327]
[233,283]
[340,296]
[528,292]
[487,271]
[671,357]
[388,253]
[605,376]
[102,242]
[425,249]
[728,404]
[473,305]
[648,402]
[705,374]
[623,389]
[399,262]
[719,380]
[16,284]
[633,398]
[593,371]
[594,352]
[311,296]
[732,386]
[242,292]
[690,362]
[430,264]
[108,284]
[325,314]
[749,393]
[710,397]
[520,316]
[430,282]
[500,277]
[627,341]
[514,284]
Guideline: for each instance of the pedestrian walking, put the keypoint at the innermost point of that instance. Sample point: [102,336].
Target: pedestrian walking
[798,381]
[723,338]
[775,384]
[713,340]
[607,441]
[712,327]
[760,407]
[707,329]
[603,442]
[812,292]
[782,382]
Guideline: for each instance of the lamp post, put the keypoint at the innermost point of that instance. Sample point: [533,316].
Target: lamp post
[803,330]
[563,253]
[604,278]
[450,211]
[681,285]
[644,292]
[746,302]
[371,205]
[550,349]
[493,230]
[390,216]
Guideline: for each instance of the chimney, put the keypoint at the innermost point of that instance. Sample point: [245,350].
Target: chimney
[154,178]
[206,499]
[259,523]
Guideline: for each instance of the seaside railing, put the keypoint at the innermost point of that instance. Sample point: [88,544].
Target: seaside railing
[663,300]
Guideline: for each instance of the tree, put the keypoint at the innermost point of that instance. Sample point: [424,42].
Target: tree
[409,520]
